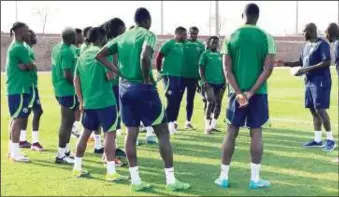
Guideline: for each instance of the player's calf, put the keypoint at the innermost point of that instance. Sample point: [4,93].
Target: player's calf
[37,113]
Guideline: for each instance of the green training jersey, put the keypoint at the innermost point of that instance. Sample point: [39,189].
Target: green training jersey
[83,47]
[96,89]
[62,57]
[212,65]
[173,58]
[248,47]
[76,50]
[17,81]
[192,51]
[129,47]
[34,73]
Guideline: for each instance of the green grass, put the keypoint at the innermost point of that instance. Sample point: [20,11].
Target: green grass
[292,169]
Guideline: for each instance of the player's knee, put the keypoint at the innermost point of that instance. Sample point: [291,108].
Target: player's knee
[320,111]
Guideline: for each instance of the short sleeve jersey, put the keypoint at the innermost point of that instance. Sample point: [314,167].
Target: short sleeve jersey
[62,58]
[129,46]
[313,53]
[173,58]
[212,64]
[96,89]
[248,47]
[192,51]
[17,81]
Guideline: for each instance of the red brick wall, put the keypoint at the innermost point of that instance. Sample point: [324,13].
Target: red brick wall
[288,48]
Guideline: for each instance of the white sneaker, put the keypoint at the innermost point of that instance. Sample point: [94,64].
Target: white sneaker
[119,132]
[213,124]
[171,128]
[64,160]
[20,158]
[75,132]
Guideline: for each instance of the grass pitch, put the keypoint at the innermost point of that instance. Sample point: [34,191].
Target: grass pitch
[292,169]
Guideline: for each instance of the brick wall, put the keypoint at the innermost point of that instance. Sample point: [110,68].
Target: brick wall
[288,48]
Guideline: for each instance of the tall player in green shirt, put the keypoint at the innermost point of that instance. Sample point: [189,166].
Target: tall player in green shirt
[248,63]
[63,64]
[172,51]
[35,104]
[97,104]
[19,66]
[190,74]
[139,97]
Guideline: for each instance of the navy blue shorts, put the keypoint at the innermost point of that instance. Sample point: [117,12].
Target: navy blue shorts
[70,102]
[255,115]
[140,102]
[317,97]
[106,117]
[35,104]
[173,85]
[18,105]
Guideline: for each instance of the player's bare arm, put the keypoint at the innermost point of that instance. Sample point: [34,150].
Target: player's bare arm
[227,61]
[146,63]
[268,69]
[27,67]
[101,57]
[68,75]
[323,64]
[202,75]
[158,61]
[111,75]
[281,63]
[77,87]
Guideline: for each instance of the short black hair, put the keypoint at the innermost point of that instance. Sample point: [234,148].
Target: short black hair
[15,26]
[252,9]
[86,30]
[78,31]
[112,27]
[194,28]
[209,40]
[94,34]
[141,14]
[180,29]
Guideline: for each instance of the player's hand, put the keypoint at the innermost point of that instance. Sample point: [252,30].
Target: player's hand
[279,63]
[110,76]
[301,71]
[241,99]
[81,107]
[22,67]
[248,95]
[159,76]
[199,89]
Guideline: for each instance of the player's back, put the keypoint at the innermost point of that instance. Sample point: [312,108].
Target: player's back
[129,47]
[62,57]
[248,46]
